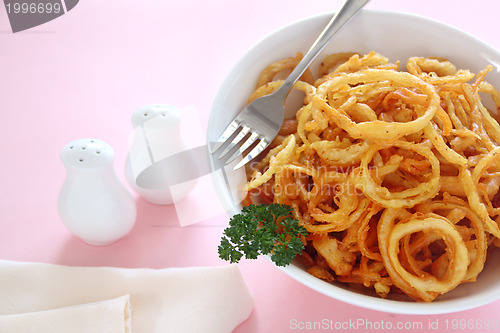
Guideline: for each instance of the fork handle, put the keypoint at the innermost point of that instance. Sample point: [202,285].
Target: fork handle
[340,18]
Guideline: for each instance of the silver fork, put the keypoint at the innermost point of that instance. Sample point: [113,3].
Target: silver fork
[261,120]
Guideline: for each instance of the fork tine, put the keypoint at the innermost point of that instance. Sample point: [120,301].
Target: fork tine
[237,139]
[230,129]
[254,152]
[253,137]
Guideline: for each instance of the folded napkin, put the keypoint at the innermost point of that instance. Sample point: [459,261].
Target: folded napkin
[204,299]
[111,316]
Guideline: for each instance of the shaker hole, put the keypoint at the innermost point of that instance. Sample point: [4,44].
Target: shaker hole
[71,147]
[80,160]
[83,148]
[145,114]
[98,152]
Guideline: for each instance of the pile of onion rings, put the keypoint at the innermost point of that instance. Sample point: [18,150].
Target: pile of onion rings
[393,173]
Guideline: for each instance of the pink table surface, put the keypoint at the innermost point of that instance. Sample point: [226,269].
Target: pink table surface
[83,74]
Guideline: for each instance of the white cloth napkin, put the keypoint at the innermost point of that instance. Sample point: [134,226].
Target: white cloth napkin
[110,316]
[202,299]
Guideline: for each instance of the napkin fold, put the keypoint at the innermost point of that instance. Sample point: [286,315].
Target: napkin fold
[197,299]
[110,316]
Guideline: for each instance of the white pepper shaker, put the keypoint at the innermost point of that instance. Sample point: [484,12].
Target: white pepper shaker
[93,204]
[158,158]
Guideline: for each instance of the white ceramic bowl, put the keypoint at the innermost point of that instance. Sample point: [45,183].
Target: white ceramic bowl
[397,36]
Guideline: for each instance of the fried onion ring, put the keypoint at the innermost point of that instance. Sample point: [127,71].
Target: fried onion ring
[377,129]
[458,260]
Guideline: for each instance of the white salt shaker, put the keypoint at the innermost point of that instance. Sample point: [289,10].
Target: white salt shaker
[93,204]
[158,156]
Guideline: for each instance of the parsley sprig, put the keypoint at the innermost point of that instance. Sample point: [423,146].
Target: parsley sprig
[263,229]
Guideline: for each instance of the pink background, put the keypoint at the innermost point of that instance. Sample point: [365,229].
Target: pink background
[83,74]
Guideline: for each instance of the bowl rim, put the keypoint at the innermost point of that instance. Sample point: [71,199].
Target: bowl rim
[338,293]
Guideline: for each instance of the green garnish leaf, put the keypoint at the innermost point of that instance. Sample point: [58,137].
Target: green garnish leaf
[263,229]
